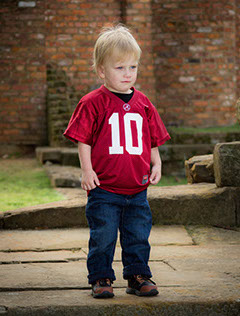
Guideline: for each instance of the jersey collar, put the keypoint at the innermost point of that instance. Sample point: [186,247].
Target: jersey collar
[117,99]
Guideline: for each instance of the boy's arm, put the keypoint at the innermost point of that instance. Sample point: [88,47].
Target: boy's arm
[89,177]
[156,171]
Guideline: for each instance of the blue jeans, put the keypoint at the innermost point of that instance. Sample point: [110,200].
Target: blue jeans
[106,213]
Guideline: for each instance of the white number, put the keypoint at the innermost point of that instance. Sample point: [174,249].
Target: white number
[114,122]
[116,148]
[128,133]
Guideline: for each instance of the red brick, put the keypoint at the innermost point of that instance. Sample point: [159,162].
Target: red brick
[63,30]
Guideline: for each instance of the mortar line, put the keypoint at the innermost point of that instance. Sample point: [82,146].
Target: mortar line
[69,260]
[168,264]
[41,261]
[68,288]
[40,250]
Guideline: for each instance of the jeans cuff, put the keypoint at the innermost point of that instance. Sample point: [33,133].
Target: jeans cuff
[92,278]
[136,269]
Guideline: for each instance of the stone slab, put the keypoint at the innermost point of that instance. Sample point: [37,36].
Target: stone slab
[170,272]
[66,213]
[64,176]
[209,258]
[32,256]
[52,154]
[61,275]
[200,169]
[60,155]
[52,239]
[227,164]
[170,235]
[214,235]
[171,301]
[197,204]
[176,267]
[185,279]
[192,279]
[57,239]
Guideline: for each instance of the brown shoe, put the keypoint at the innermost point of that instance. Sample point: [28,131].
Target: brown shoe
[102,289]
[141,286]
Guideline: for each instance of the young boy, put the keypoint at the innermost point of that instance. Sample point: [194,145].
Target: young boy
[118,132]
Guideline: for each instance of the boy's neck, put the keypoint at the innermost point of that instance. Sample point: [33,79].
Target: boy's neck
[126,97]
[113,91]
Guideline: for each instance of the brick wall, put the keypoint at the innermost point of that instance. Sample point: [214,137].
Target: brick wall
[188,68]
[139,19]
[22,73]
[238,50]
[71,31]
[194,53]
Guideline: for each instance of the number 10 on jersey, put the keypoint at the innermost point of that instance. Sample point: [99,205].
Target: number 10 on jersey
[115,129]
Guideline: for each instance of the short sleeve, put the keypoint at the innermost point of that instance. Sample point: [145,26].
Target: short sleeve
[158,131]
[81,125]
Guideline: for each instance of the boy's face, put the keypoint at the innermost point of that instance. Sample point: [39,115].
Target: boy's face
[119,75]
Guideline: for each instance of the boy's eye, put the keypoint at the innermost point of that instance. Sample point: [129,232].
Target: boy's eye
[133,67]
[119,67]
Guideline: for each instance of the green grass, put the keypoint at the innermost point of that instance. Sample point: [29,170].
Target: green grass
[24,183]
[171,180]
[215,129]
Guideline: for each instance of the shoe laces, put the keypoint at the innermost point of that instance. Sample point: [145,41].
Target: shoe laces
[142,278]
[104,282]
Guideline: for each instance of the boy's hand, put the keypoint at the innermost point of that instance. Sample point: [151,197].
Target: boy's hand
[89,180]
[156,174]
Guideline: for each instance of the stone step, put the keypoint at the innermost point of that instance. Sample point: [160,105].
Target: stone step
[191,136]
[183,301]
[172,155]
[63,176]
[43,273]
[53,240]
[199,204]
[59,155]
[69,156]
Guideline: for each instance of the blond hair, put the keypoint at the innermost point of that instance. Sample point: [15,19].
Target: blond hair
[116,40]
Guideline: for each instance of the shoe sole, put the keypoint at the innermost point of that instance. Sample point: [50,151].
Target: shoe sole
[103,295]
[153,292]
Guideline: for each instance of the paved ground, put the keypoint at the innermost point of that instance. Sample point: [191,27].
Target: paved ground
[43,272]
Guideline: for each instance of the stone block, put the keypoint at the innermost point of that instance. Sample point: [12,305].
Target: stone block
[66,213]
[70,157]
[184,151]
[64,176]
[51,154]
[238,110]
[226,159]
[195,204]
[200,169]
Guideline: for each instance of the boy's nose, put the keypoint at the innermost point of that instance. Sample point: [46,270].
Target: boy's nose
[127,73]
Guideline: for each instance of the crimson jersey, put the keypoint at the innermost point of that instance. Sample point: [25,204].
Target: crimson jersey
[121,136]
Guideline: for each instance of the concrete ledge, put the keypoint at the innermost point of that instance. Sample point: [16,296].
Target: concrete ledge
[67,213]
[226,158]
[63,156]
[69,156]
[197,204]
[63,176]
[74,305]
[173,156]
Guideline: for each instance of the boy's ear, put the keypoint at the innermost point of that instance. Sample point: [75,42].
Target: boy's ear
[101,72]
